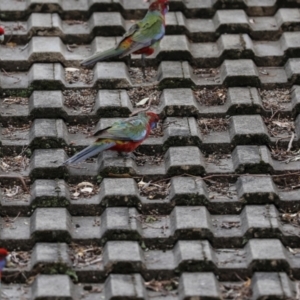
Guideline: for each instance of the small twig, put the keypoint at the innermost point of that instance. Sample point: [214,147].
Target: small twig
[20,177]
[291,142]
[9,75]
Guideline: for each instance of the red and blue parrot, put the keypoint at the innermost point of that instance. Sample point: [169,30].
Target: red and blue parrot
[142,38]
[122,136]
[2,32]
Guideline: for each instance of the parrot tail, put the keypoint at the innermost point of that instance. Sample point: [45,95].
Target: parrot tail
[103,56]
[89,152]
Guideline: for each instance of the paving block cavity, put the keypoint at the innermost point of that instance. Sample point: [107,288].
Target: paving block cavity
[51,225]
[242,72]
[181,160]
[252,159]
[248,130]
[257,189]
[198,286]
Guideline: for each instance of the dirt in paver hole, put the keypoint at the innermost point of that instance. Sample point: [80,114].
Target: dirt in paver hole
[15,100]
[291,218]
[165,287]
[206,72]
[154,189]
[282,154]
[83,189]
[220,188]
[275,99]
[19,259]
[215,158]
[142,159]
[86,129]
[287,182]
[11,131]
[82,256]
[208,125]
[141,97]
[136,75]
[280,127]
[73,75]
[14,192]
[236,291]
[211,97]
[14,163]
[80,100]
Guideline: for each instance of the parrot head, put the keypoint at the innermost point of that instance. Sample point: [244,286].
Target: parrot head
[161,5]
[1,34]
[153,119]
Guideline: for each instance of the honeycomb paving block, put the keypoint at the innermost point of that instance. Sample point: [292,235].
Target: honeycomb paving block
[46,104]
[46,253]
[198,285]
[175,74]
[47,163]
[112,75]
[187,221]
[260,220]
[257,189]
[292,69]
[120,222]
[48,133]
[252,159]
[187,190]
[42,287]
[125,286]
[51,224]
[123,256]
[269,250]
[184,160]
[171,102]
[248,130]
[231,19]
[194,255]
[242,72]
[118,190]
[49,193]
[113,103]
[244,100]
[296,99]
[272,284]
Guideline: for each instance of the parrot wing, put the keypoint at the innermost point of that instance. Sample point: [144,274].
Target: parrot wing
[132,129]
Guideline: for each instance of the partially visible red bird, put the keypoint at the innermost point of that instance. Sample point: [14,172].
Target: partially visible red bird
[142,38]
[3,255]
[2,32]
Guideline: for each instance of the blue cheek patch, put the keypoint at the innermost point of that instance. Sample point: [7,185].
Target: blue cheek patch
[153,125]
[2,264]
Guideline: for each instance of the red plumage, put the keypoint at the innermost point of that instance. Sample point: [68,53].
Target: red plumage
[3,253]
[2,31]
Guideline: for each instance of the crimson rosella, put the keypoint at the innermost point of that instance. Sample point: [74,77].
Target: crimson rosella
[3,255]
[1,34]
[122,136]
[142,38]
